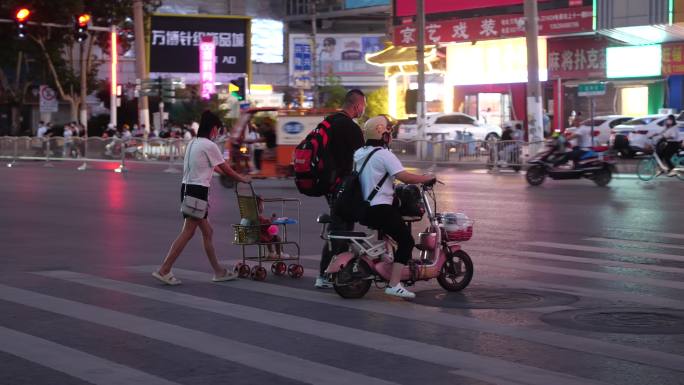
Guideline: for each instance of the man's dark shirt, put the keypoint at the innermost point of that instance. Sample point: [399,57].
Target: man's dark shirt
[346,138]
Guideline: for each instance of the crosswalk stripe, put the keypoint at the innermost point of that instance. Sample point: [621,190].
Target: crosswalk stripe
[417,312]
[585,274]
[75,363]
[607,294]
[262,359]
[636,243]
[585,260]
[413,349]
[607,250]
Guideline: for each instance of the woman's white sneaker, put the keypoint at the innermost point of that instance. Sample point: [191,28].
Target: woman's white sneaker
[399,291]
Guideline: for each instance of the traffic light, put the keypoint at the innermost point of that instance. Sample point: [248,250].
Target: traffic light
[81,27]
[238,88]
[21,19]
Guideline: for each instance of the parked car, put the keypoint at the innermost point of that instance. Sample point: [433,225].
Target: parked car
[602,126]
[631,137]
[450,126]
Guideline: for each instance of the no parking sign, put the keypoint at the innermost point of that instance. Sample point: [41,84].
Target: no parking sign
[48,100]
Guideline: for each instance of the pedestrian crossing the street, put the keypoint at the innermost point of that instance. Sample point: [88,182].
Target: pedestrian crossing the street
[127,329]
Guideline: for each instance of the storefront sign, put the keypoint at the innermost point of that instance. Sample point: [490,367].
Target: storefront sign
[673,59]
[492,62]
[174,42]
[582,58]
[633,61]
[207,51]
[552,22]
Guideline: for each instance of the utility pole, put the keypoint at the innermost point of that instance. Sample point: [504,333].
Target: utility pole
[140,64]
[534,96]
[420,56]
[314,61]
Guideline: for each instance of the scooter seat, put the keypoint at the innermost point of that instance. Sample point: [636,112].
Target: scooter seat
[600,148]
[588,154]
[355,234]
[324,218]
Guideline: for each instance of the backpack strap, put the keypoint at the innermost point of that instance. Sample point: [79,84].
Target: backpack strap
[378,186]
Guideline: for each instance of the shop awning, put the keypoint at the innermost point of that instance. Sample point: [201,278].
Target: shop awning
[403,60]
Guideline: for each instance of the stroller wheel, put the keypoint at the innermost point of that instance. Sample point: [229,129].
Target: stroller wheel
[295,270]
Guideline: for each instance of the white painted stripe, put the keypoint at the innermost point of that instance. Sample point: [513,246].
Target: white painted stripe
[607,250]
[636,243]
[618,297]
[412,349]
[517,265]
[259,358]
[569,258]
[73,362]
[485,377]
[664,235]
[420,313]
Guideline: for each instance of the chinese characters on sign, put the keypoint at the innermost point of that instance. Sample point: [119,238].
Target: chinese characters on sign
[207,52]
[192,39]
[577,58]
[302,57]
[551,22]
[673,63]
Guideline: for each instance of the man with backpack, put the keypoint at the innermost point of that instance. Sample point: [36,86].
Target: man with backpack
[324,158]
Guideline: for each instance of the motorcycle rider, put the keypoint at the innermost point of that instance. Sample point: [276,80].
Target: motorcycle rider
[382,215]
[582,136]
[673,137]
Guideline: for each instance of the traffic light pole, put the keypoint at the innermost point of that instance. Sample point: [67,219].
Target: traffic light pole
[140,64]
[534,103]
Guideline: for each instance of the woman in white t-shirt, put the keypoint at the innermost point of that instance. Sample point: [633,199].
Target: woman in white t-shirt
[382,215]
[202,158]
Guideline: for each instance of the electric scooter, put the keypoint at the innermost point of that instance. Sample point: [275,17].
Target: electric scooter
[441,256]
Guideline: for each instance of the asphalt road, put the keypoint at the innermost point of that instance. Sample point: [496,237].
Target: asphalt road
[574,284]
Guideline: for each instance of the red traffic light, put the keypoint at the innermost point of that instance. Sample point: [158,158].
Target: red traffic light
[83,20]
[22,15]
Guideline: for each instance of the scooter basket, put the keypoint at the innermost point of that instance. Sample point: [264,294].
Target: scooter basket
[462,234]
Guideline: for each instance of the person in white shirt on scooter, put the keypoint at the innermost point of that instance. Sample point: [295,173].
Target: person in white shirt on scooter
[382,215]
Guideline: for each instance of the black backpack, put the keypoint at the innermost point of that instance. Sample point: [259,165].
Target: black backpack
[349,204]
[314,165]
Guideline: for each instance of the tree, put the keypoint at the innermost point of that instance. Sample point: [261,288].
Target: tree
[72,66]
[333,93]
[376,102]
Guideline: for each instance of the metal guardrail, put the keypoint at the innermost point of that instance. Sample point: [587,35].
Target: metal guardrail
[490,154]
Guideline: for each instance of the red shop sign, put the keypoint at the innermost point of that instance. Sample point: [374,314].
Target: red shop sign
[673,59]
[552,22]
[580,58]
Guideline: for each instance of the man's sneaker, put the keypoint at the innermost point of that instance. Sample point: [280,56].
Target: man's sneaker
[672,173]
[323,283]
[399,291]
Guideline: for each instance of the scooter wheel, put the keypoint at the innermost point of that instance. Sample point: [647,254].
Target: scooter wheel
[295,270]
[456,272]
[535,175]
[279,268]
[258,273]
[603,177]
[242,269]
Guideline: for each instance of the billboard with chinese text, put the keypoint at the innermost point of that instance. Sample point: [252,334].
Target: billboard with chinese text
[174,45]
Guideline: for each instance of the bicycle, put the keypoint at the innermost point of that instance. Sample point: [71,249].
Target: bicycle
[653,166]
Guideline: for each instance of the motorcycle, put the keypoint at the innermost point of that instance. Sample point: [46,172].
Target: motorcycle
[596,164]
[441,256]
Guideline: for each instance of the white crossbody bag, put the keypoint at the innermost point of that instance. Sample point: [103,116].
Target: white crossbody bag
[191,206]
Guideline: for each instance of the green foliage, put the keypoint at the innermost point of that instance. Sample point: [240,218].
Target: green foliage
[376,102]
[333,93]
